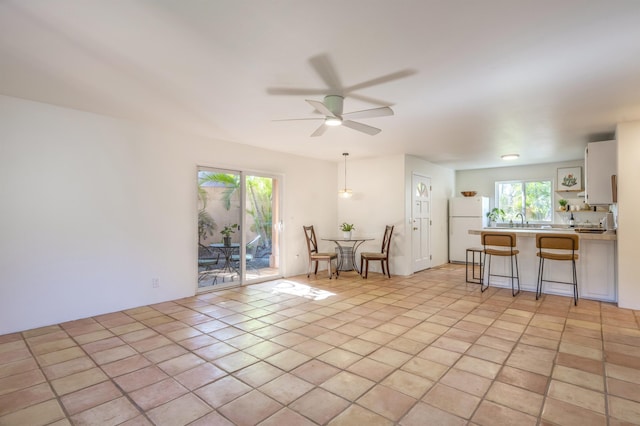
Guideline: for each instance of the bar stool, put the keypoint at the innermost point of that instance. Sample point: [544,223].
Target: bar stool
[563,247]
[491,240]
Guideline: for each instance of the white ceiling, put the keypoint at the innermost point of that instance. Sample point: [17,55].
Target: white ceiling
[483,78]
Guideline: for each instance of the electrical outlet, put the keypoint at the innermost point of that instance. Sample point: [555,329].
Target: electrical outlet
[155,282]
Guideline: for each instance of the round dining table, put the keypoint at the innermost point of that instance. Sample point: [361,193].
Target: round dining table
[353,244]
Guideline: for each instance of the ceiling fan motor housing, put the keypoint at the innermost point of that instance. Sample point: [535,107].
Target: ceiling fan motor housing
[334,104]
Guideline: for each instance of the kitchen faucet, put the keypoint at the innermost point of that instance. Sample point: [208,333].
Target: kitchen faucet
[521,219]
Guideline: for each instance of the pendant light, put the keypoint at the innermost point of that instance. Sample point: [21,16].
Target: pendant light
[345,193]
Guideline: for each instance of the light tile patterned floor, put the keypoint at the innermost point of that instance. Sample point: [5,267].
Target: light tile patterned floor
[426,349]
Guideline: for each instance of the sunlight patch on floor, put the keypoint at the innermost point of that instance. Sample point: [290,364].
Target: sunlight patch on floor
[303,290]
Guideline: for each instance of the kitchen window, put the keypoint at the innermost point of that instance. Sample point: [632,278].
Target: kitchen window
[526,201]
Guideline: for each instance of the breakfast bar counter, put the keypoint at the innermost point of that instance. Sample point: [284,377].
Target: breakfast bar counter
[597,274]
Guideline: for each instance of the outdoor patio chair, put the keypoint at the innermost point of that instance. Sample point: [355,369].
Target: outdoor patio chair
[208,260]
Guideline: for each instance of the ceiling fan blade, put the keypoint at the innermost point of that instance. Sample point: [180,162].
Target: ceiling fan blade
[384,79]
[319,131]
[299,119]
[327,72]
[320,107]
[361,127]
[295,91]
[369,113]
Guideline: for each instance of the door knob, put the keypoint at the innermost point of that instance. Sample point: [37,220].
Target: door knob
[415,229]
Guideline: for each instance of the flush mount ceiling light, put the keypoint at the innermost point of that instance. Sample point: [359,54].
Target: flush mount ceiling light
[508,157]
[345,193]
[332,121]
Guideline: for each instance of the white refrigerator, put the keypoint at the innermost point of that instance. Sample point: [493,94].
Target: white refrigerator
[465,213]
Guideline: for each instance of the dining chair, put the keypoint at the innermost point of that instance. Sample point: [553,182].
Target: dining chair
[382,255]
[208,260]
[560,247]
[250,254]
[316,256]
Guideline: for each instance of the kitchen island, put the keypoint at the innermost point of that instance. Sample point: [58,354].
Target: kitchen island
[596,265]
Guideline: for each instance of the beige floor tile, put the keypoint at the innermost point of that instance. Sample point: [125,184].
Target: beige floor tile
[110,413]
[429,336]
[250,409]
[517,398]
[286,417]
[625,410]
[286,388]
[77,381]
[360,347]
[565,414]
[319,405]
[478,366]
[23,398]
[127,365]
[622,389]
[67,368]
[578,377]
[576,395]
[90,397]
[410,384]
[356,415]
[140,378]
[258,374]
[533,359]
[467,382]
[524,379]
[490,414]
[370,369]
[180,411]
[339,357]
[38,414]
[425,368]
[157,393]
[421,411]
[451,400]
[235,361]
[347,385]
[199,376]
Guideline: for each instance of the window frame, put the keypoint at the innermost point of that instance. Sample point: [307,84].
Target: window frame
[524,182]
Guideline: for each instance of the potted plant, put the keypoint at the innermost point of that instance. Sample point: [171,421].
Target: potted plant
[346,230]
[495,214]
[563,204]
[227,231]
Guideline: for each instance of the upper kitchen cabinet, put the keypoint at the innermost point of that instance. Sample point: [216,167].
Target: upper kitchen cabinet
[601,172]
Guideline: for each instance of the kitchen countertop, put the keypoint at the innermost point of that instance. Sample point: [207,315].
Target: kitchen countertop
[526,232]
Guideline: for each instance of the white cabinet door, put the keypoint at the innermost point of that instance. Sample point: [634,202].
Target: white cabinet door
[597,274]
[600,164]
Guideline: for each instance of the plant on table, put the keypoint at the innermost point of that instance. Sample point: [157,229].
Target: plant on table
[347,227]
[227,231]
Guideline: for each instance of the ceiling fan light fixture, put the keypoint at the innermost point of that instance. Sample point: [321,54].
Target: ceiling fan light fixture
[332,121]
[509,157]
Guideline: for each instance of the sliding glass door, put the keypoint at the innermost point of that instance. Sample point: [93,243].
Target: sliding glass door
[238,238]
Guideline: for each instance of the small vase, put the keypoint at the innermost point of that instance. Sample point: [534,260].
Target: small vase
[346,235]
[227,241]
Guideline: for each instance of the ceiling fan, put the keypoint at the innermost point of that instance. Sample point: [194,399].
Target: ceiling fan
[331,108]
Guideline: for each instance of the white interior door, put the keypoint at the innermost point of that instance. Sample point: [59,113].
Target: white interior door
[421,222]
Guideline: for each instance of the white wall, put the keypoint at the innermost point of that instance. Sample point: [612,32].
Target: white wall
[628,137]
[94,207]
[377,201]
